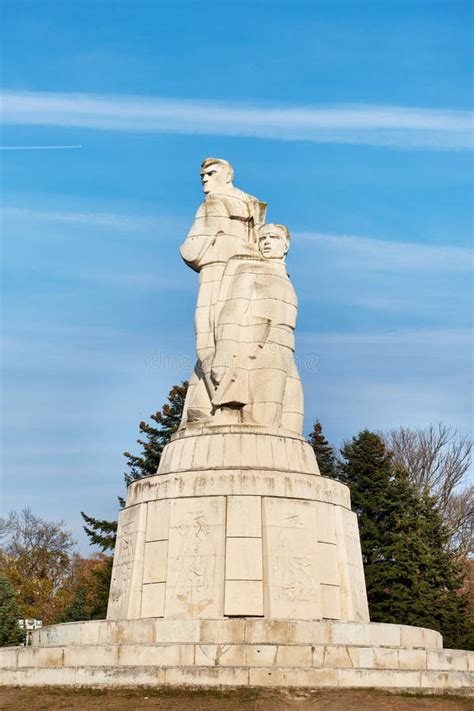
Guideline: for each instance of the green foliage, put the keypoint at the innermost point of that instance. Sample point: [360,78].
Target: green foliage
[100,532]
[102,576]
[323,451]
[10,612]
[156,437]
[88,589]
[410,575]
[36,555]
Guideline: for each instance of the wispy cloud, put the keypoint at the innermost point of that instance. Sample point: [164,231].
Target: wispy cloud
[407,339]
[140,280]
[376,254]
[94,219]
[349,251]
[35,148]
[397,126]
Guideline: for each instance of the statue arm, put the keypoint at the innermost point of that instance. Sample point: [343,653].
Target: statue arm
[203,232]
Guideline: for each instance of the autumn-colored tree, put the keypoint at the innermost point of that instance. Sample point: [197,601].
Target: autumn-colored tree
[35,555]
[85,593]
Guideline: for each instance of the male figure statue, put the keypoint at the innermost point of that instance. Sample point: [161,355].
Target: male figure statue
[223,227]
[253,371]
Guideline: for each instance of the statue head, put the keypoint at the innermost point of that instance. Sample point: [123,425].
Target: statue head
[273,241]
[215,173]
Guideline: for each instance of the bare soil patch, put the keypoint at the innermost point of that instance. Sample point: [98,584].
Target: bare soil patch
[180,699]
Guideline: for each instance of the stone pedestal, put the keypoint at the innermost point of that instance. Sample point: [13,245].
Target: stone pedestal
[238,565]
[238,652]
[238,523]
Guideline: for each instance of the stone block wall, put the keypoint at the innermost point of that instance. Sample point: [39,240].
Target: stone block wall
[225,554]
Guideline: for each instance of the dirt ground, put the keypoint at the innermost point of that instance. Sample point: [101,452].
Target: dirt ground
[51,698]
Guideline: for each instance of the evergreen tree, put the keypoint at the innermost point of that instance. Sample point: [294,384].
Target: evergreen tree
[323,451]
[156,437]
[411,578]
[100,532]
[10,613]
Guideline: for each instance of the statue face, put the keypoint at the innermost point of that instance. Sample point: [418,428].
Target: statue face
[272,245]
[213,177]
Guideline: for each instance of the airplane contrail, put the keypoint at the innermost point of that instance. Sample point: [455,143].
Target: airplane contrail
[34,148]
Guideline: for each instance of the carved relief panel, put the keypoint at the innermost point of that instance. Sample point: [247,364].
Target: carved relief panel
[127,572]
[291,578]
[195,577]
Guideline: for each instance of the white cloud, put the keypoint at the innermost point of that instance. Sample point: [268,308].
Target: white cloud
[349,251]
[398,126]
[376,254]
[373,341]
[94,219]
[36,148]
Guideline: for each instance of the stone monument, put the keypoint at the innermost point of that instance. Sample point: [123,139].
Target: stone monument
[237,563]
[238,520]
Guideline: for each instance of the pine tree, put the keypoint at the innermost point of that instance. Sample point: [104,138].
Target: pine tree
[100,532]
[411,578]
[167,419]
[10,613]
[323,451]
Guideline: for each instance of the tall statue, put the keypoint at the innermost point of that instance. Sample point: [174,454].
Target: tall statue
[223,227]
[245,314]
[253,369]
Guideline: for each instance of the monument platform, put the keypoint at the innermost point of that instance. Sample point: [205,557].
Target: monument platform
[238,652]
[238,522]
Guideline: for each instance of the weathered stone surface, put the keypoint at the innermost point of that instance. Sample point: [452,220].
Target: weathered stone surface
[243,559]
[242,482]
[220,655]
[127,573]
[252,448]
[153,599]
[378,678]
[158,520]
[291,582]
[155,563]
[195,574]
[244,518]
[207,676]
[303,548]
[293,677]
[226,631]
[244,597]
[250,631]
[160,658]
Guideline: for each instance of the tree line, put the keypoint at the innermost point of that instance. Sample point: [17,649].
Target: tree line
[407,487]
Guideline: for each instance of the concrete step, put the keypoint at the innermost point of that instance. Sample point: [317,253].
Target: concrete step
[460,682]
[237,631]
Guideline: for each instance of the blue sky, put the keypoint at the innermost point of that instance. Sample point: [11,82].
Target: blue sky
[351,119]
